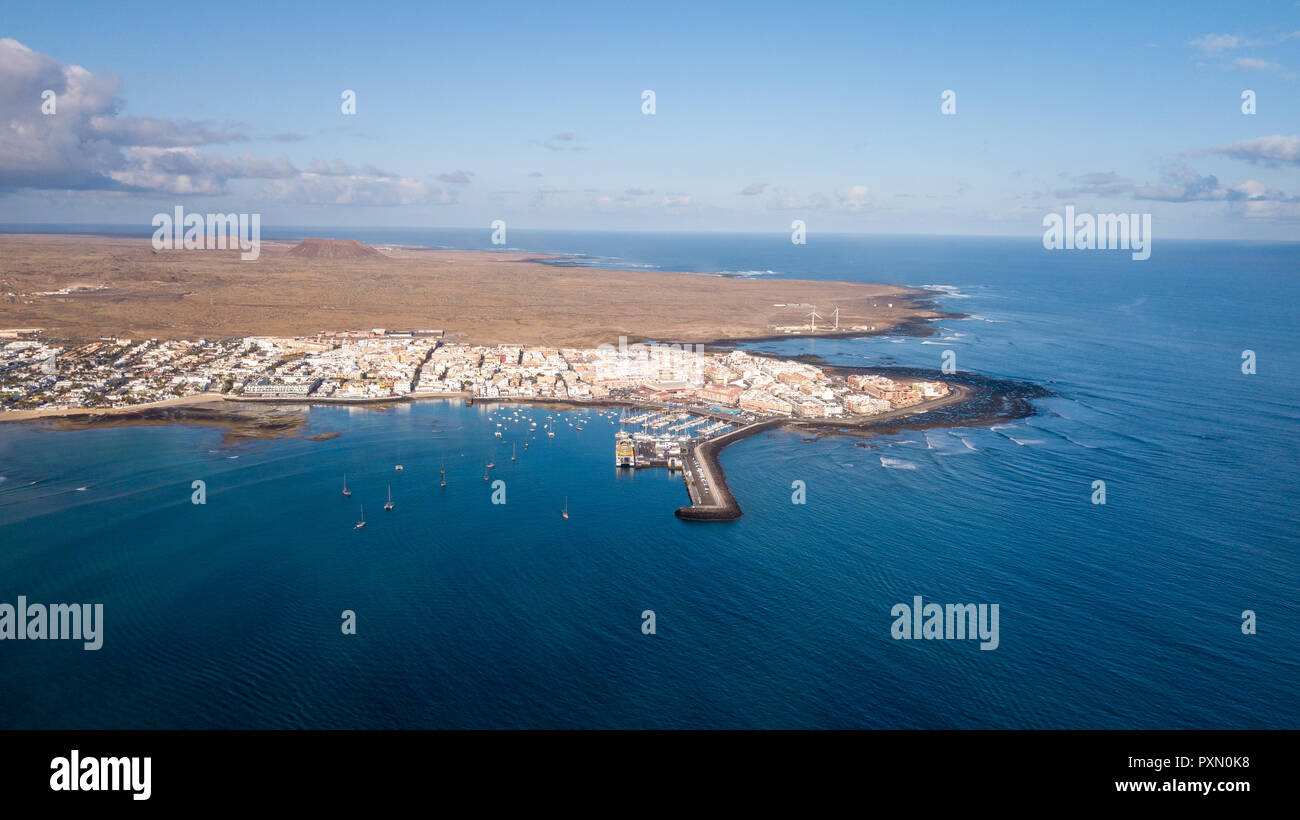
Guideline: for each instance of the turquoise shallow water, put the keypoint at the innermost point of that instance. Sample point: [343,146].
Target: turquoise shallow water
[474,614]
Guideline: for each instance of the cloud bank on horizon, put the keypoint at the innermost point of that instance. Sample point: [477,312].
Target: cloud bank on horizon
[911,169]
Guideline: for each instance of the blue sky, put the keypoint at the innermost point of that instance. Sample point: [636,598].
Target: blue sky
[828,113]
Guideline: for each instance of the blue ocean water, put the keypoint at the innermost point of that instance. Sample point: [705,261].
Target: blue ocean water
[1123,615]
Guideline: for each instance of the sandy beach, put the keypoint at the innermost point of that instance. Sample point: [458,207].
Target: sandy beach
[67,412]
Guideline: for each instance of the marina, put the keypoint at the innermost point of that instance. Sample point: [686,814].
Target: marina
[684,439]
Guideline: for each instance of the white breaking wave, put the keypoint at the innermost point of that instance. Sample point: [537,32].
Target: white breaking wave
[1026,442]
[947,290]
[964,440]
[896,464]
[1079,443]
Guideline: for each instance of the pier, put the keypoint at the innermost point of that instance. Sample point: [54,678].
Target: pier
[711,499]
[693,445]
[696,457]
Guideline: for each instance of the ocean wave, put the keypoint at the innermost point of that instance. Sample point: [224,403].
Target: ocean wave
[973,316]
[746,274]
[964,440]
[1026,442]
[1023,442]
[896,464]
[947,290]
[1079,443]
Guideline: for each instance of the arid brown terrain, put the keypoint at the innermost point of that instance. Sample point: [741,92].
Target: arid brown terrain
[333,249]
[84,287]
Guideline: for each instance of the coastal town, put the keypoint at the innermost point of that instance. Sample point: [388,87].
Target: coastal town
[381,364]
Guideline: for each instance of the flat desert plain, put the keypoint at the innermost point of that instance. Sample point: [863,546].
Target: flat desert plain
[85,287]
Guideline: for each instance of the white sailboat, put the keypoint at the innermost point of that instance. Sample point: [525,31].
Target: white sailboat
[565,511]
[389,505]
[362,522]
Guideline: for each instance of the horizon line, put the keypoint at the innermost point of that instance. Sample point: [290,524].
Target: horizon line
[16,228]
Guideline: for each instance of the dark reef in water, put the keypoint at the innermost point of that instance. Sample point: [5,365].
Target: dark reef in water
[240,423]
[978,400]
[990,400]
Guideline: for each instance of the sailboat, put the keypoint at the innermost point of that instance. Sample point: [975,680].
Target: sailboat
[362,522]
[512,452]
[346,492]
[485,474]
[565,511]
[389,505]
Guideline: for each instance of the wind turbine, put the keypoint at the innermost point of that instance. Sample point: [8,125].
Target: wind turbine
[814,316]
[837,317]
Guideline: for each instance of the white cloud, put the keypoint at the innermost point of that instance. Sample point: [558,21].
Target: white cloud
[86,144]
[1254,64]
[854,198]
[783,199]
[1214,44]
[322,189]
[1268,211]
[1273,150]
